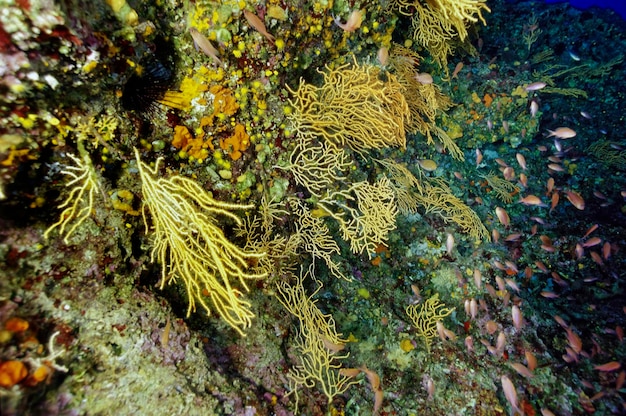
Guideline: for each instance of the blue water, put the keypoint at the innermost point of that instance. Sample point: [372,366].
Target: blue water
[619,6]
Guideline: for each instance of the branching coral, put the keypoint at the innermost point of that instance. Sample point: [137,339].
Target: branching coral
[425,315]
[438,198]
[355,107]
[503,188]
[316,238]
[316,166]
[437,22]
[80,202]
[435,196]
[367,224]
[610,154]
[190,246]
[425,100]
[318,343]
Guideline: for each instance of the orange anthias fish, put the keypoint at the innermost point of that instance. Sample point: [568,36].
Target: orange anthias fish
[258,25]
[203,44]
[532,200]
[353,23]
[575,199]
[562,133]
[457,69]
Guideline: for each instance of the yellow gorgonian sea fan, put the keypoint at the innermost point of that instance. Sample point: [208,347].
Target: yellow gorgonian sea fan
[356,107]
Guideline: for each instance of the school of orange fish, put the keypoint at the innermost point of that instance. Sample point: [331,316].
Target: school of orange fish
[506,289]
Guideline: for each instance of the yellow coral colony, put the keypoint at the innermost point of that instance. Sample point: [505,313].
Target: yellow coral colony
[353,108]
[425,316]
[80,201]
[437,22]
[190,246]
[318,342]
[435,196]
[368,224]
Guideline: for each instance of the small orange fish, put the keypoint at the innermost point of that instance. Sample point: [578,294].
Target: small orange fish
[522,370]
[449,244]
[535,86]
[523,180]
[517,317]
[534,108]
[508,173]
[556,167]
[606,250]
[372,377]
[549,295]
[562,133]
[610,366]
[532,200]
[558,279]
[596,258]
[521,160]
[575,199]
[580,251]
[599,195]
[383,56]
[479,157]
[257,24]
[332,346]
[501,284]
[550,185]
[353,23]
[574,341]
[501,162]
[590,230]
[511,266]
[554,201]
[478,278]
[374,380]
[560,321]
[203,44]
[165,337]
[593,241]
[513,237]
[349,372]
[424,78]
[528,272]
[503,216]
[498,265]
[495,235]
[457,69]
[510,393]
[530,360]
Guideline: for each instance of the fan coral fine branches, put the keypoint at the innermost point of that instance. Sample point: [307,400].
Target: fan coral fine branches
[353,108]
[190,246]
